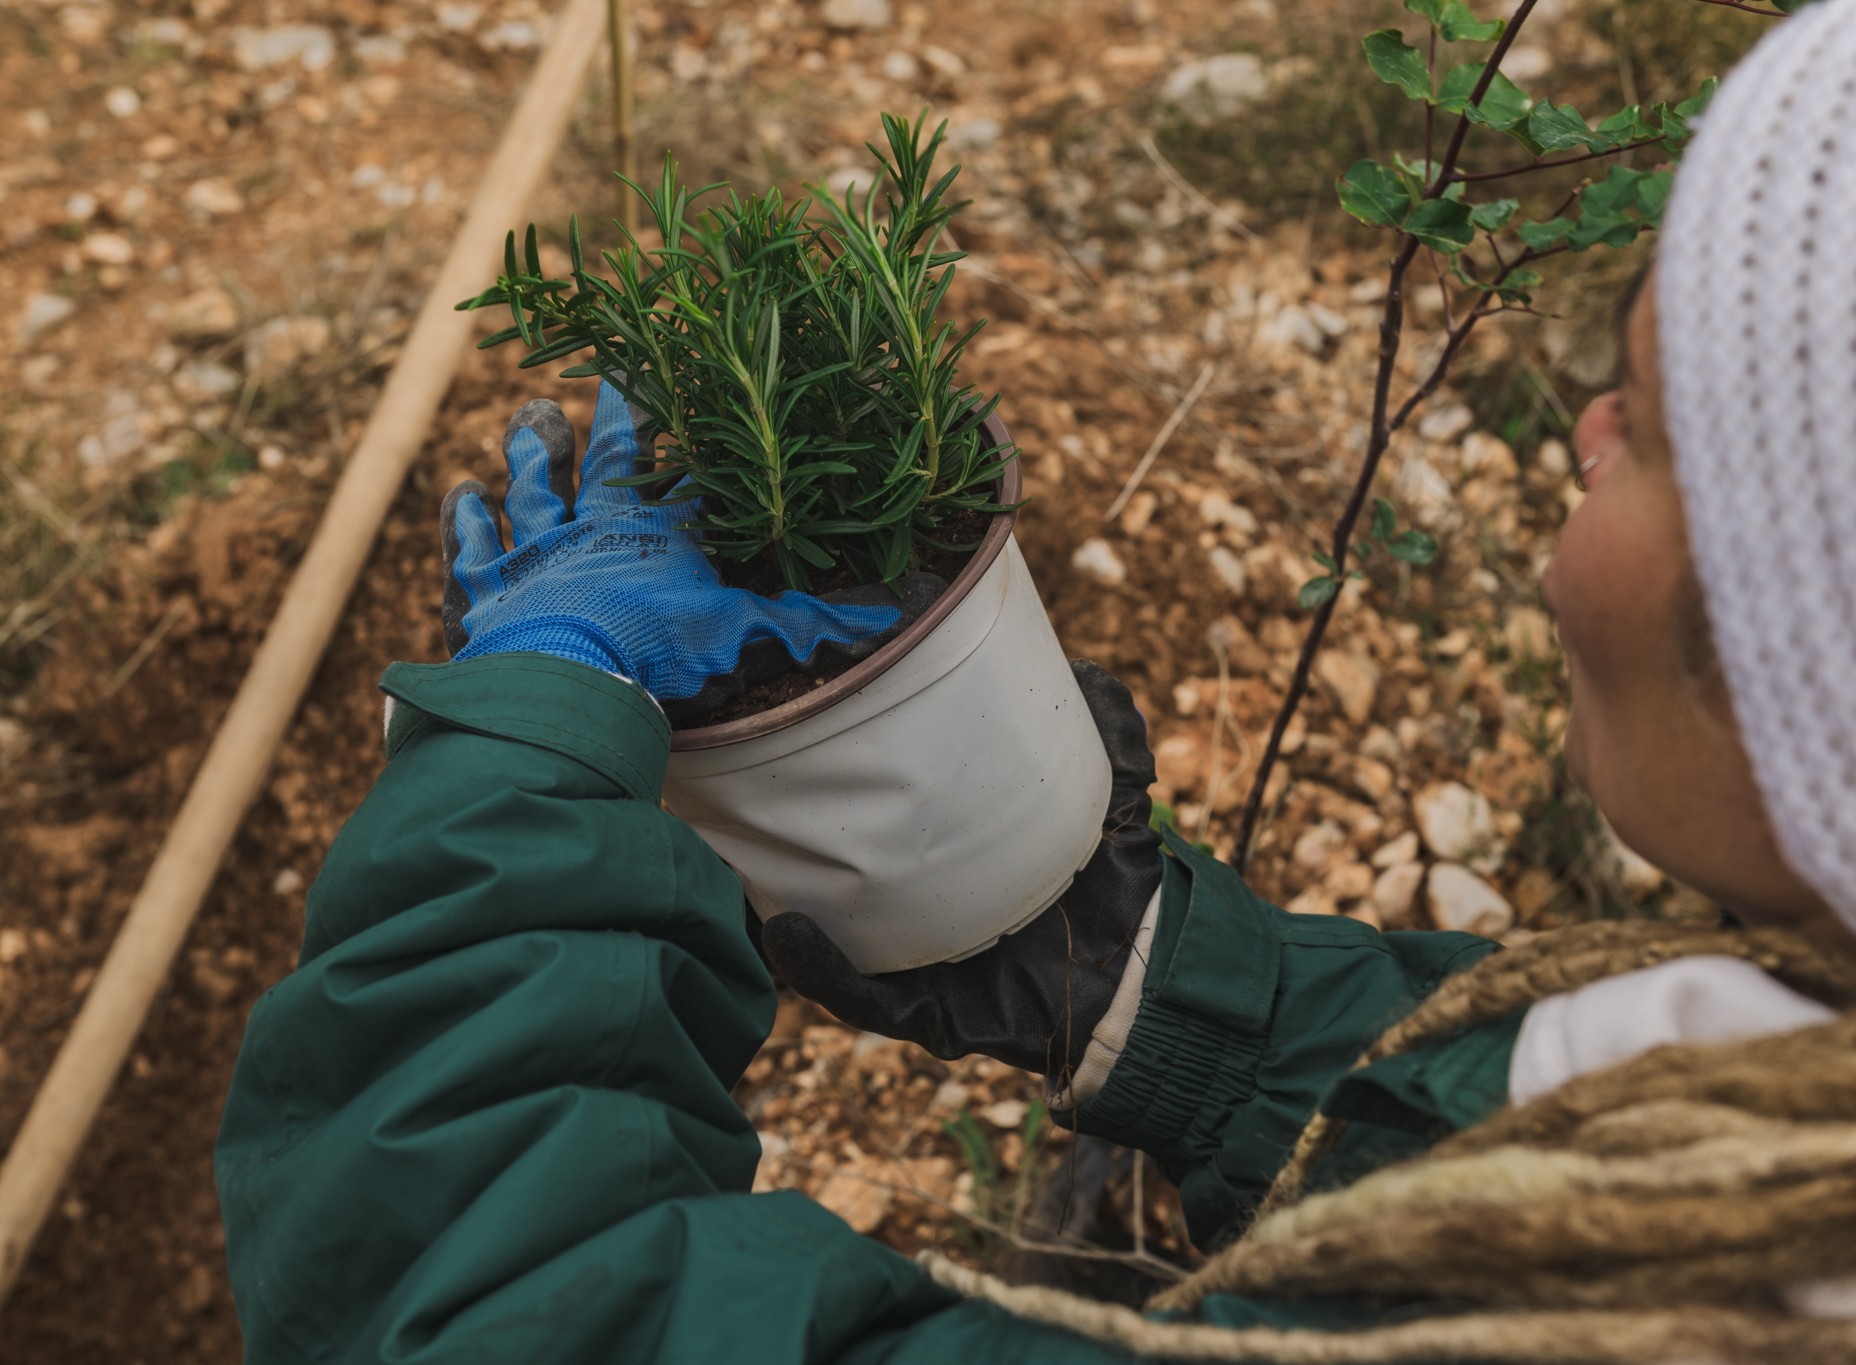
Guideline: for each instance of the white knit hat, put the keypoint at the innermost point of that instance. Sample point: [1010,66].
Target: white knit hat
[1756,302]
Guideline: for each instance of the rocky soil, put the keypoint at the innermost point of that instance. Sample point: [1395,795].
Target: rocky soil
[216,219]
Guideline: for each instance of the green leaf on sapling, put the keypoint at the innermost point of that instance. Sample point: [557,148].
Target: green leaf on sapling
[1375,194]
[1653,195]
[1397,62]
[1627,125]
[1502,106]
[1561,128]
[1544,236]
[1678,122]
[1454,22]
[1494,215]
[1315,592]
[1385,520]
[1441,225]
[1325,560]
[1414,547]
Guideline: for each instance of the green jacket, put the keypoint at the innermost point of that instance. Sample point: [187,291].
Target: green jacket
[488,1116]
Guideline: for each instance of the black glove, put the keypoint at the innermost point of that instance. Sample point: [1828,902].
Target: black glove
[1032,999]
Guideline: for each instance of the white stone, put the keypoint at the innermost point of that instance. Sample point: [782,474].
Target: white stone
[1457,823]
[312,45]
[857,14]
[203,315]
[108,248]
[121,101]
[120,436]
[1218,510]
[1352,680]
[379,49]
[1096,560]
[283,343]
[203,381]
[1292,326]
[288,882]
[1230,570]
[1445,422]
[1634,874]
[1330,322]
[1403,849]
[512,35]
[1317,845]
[1395,892]
[1528,633]
[949,65]
[1491,455]
[1459,899]
[81,207]
[1426,492]
[1006,1113]
[1217,88]
[213,197]
[272,458]
[974,134]
[13,945]
[901,68]
[459,18]
[42,313]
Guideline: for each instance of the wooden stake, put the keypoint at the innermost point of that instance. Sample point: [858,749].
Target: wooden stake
[239,760]
[624,132]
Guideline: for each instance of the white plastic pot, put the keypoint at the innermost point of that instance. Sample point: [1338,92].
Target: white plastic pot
[937,796]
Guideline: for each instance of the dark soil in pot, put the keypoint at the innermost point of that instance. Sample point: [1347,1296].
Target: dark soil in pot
[763,576]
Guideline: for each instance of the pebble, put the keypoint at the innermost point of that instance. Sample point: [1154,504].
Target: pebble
[1353,681]
[1139,513]
[1005,1113]
[120,436]
[512,35]
[1457,823]
[1218,510]
[283,343]
[865,14]
[203,381]
[1491,455]
[1528,633]
[213,197]
[12,946]
[108,248]
[949,65]
[80,207]
[1349,882]
[1096,560]
[460,18]
[1317,845]
[1459,899]
[1395,892]
[1377,781]
[1445,422]
[379,49]
[123,102]
[311,45]
[901,68]
[1403,849]
[1426,492]
[1230,570]
[288,882]
[203,315]
[1217,88]
[272,458]
[42,313]
[974,134]
[1293,326]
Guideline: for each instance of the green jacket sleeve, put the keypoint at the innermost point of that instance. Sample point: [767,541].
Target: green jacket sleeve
[1249,1020]
[488,1117]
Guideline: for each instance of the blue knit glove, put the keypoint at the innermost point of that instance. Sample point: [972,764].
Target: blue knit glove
[603,580]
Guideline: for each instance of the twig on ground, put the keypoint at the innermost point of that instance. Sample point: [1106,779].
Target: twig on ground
[150,642]
[1164,435]
[1224,218]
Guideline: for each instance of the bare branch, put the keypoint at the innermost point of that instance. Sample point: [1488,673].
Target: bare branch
[1476,177]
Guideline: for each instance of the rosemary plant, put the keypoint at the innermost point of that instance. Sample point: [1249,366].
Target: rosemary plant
[793,356]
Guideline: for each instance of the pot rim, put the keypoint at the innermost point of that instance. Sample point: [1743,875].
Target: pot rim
[867,671]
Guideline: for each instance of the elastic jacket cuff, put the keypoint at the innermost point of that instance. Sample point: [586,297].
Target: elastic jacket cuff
[596,718]
[1206,1001]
